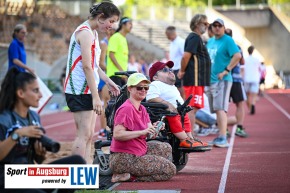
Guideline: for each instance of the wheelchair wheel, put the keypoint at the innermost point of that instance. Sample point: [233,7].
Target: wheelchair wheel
[179,166]
[103,164]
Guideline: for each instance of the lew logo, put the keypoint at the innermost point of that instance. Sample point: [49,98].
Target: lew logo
[84,176]
[51,176]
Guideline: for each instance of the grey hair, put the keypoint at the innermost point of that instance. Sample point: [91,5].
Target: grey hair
[196,20]
[17,29]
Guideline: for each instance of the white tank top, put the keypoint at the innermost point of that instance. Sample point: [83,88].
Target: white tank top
[75,81]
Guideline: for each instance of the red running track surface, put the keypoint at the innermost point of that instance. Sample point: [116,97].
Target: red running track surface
[257,164]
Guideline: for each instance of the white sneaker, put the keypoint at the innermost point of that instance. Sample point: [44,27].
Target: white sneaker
[203,132]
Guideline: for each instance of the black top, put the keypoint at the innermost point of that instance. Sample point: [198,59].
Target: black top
[197,73]
[10,121]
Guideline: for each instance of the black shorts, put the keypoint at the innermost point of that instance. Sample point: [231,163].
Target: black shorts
[83,102]
[238,92]
[262,81]
[178,82]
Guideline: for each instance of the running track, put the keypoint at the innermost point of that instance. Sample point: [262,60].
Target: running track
[258,164]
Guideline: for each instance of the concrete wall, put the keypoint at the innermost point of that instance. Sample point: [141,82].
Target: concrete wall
[272,39]
[32,60]
[249,18]
[148,47]
[273,42]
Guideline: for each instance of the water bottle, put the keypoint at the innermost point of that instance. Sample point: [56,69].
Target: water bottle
[157,128]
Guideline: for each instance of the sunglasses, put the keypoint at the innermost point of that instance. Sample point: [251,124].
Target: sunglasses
[142,87]
[220,26]
[205,23]
[166,70]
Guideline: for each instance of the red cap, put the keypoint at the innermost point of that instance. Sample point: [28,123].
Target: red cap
[159,66]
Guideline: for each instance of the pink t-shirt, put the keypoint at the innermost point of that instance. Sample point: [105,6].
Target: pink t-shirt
[134,120]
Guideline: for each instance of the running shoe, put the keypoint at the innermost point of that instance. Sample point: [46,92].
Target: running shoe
[241,132]
[214,130]
[219,142]
[203,132]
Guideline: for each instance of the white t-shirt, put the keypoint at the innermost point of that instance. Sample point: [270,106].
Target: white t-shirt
[251,70]
[176,52]
[134,67]
[165,91]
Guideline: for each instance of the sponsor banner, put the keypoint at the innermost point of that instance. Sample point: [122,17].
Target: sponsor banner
[51,176]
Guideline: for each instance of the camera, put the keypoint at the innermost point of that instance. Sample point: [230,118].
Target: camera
[49,144]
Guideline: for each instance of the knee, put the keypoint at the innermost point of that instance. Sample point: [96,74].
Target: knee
[168,147]
[86,136]
[171,170]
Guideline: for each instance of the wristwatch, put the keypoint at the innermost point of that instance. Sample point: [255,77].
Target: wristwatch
[15,136]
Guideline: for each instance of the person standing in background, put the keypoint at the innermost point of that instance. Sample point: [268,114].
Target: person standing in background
[102,87]
[143,65]
[225,55]
[262,79]
[83,75]
[176,51]
[118,51]
[238,93]
[210,31]
[16,50]
[133,65]
[195,65]
[252,79]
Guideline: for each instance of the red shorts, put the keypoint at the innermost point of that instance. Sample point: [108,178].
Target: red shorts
[176,126]
[197,100]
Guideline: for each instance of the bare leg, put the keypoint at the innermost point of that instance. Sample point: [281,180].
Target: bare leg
[232,120]
[181,91]
[181,135]
[222,122]
[249,100]
[85,123]
[240,113]
[191,115]
[105,96]
[254,98]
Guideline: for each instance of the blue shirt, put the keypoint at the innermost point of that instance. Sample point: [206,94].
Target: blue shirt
[16,51]
[221,52]
[236,71]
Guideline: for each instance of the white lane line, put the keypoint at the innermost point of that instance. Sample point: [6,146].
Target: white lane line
[223,181]
[277,106]
[59,124]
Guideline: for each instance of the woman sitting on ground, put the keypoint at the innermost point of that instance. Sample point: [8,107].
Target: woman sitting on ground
[132,158]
